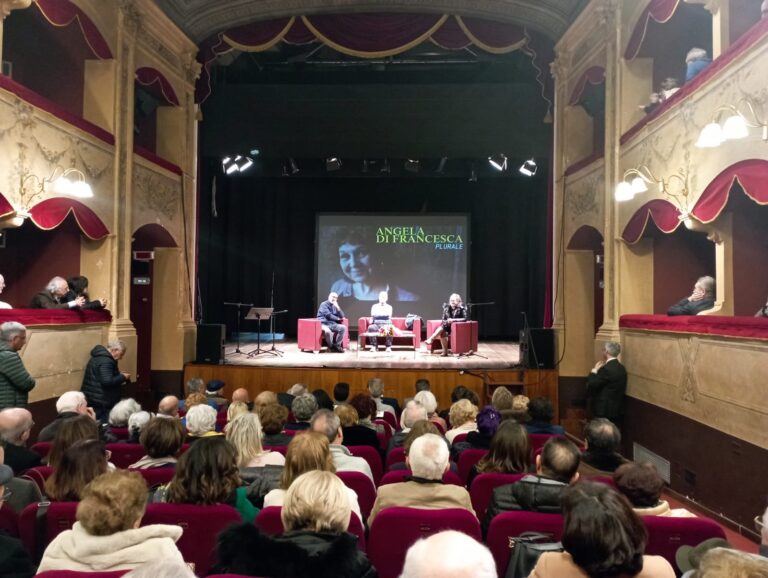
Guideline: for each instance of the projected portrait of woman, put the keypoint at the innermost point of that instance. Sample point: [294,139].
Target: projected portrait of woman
[362,268]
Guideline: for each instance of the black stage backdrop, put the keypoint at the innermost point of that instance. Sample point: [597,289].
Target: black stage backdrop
[267,225]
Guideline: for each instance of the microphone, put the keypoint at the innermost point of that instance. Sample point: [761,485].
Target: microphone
[445,305]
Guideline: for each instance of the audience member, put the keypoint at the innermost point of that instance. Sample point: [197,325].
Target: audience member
[701,299]
[107,535]
[78,287]
[376,389]
[15,426]
[726,563]
[695,61]
[213,393]
[462,417]
[3,304]
[207,474]
[15,381]
[419,429]
[688,558]
[72,430]
[428,461]
[429,401]
[556,467]
[19,492]
[519,411]
[306,452]
[602,443]
[510,452]
[69,404]
[315,516]
[654,101]
[245,434]
[122,411]
[201,423]
[161,569]
[421,384]
[340,392]
[162,439]
[449,554]
[501,399]
[328,423]
[102,380]
[541,412]
[488,421]
[358,428]
[641,484]
[264,399]
[366,411]
[303,407]
[241,394]
[293,392]
[273,419]
[412,413]
[763,311]
[196,398]
[235,409]
[14,559]
[136,423]
[602,536]
[80,463]
[196,385]
[52,297]
[324,400]
[168,407]
[607,384]
[669,86]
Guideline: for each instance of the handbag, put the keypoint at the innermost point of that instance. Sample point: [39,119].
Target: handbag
[526,549]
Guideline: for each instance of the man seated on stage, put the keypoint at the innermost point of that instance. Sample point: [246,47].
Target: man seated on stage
[702,298]
[330,315]
[381,320]
[52,296]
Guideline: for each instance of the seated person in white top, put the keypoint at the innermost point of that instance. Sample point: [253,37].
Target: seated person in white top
[449,554]
[3,304]
[381,320]
[329,424]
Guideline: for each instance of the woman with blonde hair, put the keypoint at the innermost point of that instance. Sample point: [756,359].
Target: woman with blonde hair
[244,433]
[107,535]
[462,417]
[307,451]
[235,409]
[315,516]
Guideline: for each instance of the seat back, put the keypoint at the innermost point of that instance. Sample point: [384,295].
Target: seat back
[371,456]
[38,475]
[269,522]
[482,488]
[394,530]
[156,476]
[464,336]
[121,433]
[42,448]
[363,487]
[537,441]
[395,456]
[511,524]
[9,520]
[467,459]
[390,418]
[59,516]
[666,534]
[201,524]
[123,454]
[459,438]
[397,476]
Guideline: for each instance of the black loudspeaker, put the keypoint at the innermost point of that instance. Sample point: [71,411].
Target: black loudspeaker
[210,343]
[537,348]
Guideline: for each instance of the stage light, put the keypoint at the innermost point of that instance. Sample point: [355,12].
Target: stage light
[385,167]
[255,152]
[247,164]
[529,168]
[473,174]
[441,165]
[332,164]
[292,164]
[498,162]
[411,165]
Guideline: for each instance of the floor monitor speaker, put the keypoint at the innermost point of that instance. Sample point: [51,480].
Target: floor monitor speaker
[210,343]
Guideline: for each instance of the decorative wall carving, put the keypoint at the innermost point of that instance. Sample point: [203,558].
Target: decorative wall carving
[689,348]
[156,193]
[583,197]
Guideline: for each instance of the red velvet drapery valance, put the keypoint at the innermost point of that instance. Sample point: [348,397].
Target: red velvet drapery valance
[63,13]
[594,75]
[370,36]
[50,213]
[658,10]
[6,208]
[751,174]
[663,213]
[157,84]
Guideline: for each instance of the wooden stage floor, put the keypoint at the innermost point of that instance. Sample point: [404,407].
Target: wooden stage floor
[490,356]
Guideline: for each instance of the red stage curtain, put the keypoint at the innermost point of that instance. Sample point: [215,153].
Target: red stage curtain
[593,75]
[751,174]
[63,13]
[664,215]
[658,10]
[50,213]
[6,208]
[157,85]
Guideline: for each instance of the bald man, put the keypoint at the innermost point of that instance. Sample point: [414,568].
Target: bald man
[15,426]
[241,394]
[168,407]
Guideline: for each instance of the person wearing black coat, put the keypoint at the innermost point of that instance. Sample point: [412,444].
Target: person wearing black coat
[78,287]
[103,380]
[607,385]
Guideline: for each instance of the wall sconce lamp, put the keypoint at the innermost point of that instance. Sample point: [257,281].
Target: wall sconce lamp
[736,125]
[636,180]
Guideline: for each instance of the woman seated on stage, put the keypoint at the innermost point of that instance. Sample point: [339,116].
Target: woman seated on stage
[454,310]
[381,321]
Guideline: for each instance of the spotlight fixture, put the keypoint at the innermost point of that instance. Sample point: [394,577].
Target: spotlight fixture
[441,165]
[293,166]
[237,164]
[473,174]
[498,162]
[332,164]
[736,126]
[411,165]
[385,166]
[529,168]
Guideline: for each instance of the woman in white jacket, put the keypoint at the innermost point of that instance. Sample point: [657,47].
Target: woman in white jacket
[107,535]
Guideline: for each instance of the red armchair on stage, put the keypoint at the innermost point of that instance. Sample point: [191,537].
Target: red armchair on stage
[463,336]
[310,335]
[409,337]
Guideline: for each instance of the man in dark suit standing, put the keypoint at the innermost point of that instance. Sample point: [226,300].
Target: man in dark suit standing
[607,384]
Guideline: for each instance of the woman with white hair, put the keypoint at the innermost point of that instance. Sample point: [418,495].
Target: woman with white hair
[136,423]
[201,423]
[315,516]
[122,411]
[429,401]
[103,380]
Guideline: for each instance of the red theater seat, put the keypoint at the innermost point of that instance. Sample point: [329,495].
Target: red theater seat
[363,487]
[42,448]
[511,524]
[59,516]
[467,459]
[371,456]
[397,476]
[123,455]
[482,488]
[156,477]
[38,475]
[667,534]
[395,456]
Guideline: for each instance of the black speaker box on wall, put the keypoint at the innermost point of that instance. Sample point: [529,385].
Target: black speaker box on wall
[210,343]
[538,348]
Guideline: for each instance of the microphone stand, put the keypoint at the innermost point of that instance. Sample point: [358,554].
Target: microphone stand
[239,306]
[274,349]
[528,341]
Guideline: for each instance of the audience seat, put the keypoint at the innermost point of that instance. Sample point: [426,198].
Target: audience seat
[511,524]
[667,534]
[395,456]
[390,418]
[202,525]
[394,530]
[60,516]
[363,487]
[310,335]
[42,448]
[124,454]
[397,476]
[537,441]
[462,437]
[38,475]
[371,456]
[607,480]
[121,433]
[269,522]
[467,459]
[439,427]
[9,521]
[156,477]
[481,490]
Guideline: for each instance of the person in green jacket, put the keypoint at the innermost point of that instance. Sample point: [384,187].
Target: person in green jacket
[15,381]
